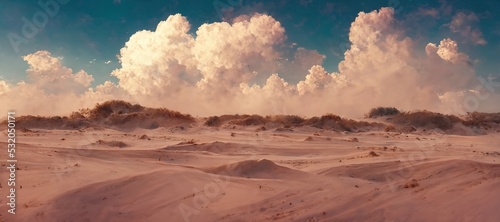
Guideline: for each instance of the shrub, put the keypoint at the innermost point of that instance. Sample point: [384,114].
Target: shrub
[112,113]
[426,119]
[213,121]
[481,119]
[287,120]
[382,111]
[101,111]
[250,121]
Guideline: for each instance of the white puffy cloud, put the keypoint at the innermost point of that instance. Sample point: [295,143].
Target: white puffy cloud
[315,80]
[52,88]
[228,54]
[298,67]
[4,87]
[48,73]
[152,62]
[241,67]
[447,50]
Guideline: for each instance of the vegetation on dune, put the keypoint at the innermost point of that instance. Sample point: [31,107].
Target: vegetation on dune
[329,121]
[486,120]
[426,119]
[382,111]
[124,115]
[114,113]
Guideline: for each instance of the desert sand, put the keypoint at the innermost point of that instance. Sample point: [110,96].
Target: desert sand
[249,173]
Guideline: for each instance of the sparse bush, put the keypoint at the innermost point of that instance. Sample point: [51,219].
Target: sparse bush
[252,120]
[113,113]
[382,111]
[213,121]
[101,111]
[426,119]
[334,122]
[328,121]
[487,120]
[287,120]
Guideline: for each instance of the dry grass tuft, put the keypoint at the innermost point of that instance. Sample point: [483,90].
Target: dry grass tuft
[426,119]
[382,111]
[482,120]
[213,121]
[110,114]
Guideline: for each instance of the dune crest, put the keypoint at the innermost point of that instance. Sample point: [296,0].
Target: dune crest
[264,169]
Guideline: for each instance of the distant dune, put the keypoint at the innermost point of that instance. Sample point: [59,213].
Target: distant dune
[264,168]
[122,115]
[124,162]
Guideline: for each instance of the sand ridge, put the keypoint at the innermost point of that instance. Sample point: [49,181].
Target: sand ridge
[236,172]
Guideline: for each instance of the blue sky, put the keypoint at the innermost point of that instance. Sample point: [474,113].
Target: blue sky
[88,34]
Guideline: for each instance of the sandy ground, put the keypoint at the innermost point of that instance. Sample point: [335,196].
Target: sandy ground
[244,174]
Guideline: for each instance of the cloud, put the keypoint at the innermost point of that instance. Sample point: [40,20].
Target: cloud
[153,62]
[303,60]
[447,50]
[51,88]
[315,80]
[242,67]
[48,73]
[4,87]
[462,23]
[431,12]
[228,54]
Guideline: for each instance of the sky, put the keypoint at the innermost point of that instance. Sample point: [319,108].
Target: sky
[304,57]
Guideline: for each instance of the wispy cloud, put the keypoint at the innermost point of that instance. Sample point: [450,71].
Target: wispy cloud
[463,23]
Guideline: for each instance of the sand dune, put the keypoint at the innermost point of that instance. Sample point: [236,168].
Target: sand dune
[232,172]
[124,116]
[214,147]
[263,168]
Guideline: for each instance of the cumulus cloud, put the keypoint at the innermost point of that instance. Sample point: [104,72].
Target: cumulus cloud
[303,59]
[228,54]
[4,87]
[153,62]
[462,23]
[315,80]
[48,73]
[51,88]
[447,50]
[242,67]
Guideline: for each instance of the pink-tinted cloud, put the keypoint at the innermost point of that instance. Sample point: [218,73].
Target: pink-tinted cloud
[219,70]
[463,23]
